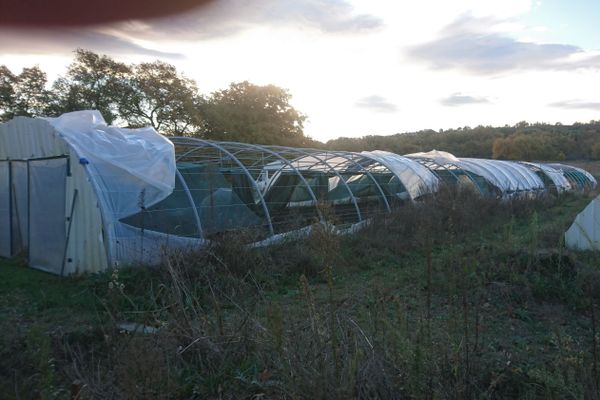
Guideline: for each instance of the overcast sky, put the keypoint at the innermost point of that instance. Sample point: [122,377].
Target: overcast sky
[359,67]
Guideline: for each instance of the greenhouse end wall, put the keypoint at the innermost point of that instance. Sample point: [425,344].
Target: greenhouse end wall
[24,140]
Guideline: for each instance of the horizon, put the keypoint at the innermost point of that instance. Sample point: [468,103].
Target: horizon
[358,68]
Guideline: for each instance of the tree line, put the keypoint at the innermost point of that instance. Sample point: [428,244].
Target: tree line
[154,94]
[522,141]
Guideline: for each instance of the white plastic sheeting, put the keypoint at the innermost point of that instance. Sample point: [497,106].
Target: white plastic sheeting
[116,172]
[558,179]
[440,157]
[589,176]
[508,176]
[25,138]
[146,247]
[568,169]
[130,169]
[584,233]
[126,162]
[491,174]
[416,178]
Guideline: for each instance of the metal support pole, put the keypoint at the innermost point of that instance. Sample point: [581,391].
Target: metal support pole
[221,149]
[383,196]
[324,162]
[191,200]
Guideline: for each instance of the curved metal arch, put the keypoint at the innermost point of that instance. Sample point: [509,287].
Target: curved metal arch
[511,174]
[191,200]
[533,181]
[383,196]
[522,183]
[217,146]
[324,162]
[428,163]
[408,166]
[555,175]
[538,170]
[468,173]
[471,177]
[576,178]
[591,181]
[534,177]
[513,183]
[567,172]
[287,162]
[345,156]
[493,171]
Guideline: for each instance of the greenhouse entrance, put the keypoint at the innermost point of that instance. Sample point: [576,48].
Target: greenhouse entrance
[47,198]
[19,209]
[5,248]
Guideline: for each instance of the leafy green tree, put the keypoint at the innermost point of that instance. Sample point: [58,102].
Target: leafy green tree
[596,150]
[533,145]
[24,94]
[31,95]
[156,95]
[500,149]
[250,113]
[7,93]
[92,82]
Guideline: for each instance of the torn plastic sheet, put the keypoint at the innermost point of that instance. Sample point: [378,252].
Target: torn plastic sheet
[132,167]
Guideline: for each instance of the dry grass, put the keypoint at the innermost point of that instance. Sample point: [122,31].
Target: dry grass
[454,297]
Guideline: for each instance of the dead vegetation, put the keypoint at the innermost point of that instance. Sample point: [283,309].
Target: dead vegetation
[453,297]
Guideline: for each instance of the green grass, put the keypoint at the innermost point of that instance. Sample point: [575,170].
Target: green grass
[458,298]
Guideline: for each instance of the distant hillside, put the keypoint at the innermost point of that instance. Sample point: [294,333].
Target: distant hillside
[520,142]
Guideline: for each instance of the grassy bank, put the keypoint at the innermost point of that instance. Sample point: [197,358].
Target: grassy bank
[456,297]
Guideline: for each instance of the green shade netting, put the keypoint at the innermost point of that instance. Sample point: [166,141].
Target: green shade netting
[223,199]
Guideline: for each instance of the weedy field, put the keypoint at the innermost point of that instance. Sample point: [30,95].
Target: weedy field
[453,297]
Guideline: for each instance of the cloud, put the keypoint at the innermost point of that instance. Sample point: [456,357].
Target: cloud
[576,105]
[229,17]
[218,19]
[376,103]
[66,40]
[458,99]
[471,44]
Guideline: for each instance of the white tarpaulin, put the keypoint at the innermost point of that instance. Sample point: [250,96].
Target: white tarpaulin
[130,169]
[131,165]
[417,179]
[584,234]
[508,176]
[558,179]
[440,157]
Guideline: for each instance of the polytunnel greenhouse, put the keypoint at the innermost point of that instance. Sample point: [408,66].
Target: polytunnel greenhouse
[78,196]
[578,179]
[272,190]
[488,177]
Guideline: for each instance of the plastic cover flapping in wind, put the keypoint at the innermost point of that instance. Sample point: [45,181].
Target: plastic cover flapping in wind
[130,169]
[131,166]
